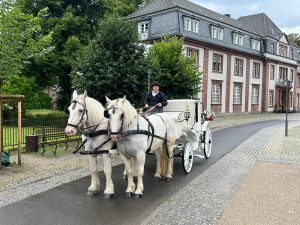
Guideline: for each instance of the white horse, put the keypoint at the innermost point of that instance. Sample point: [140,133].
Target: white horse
[130,131]
[87,113]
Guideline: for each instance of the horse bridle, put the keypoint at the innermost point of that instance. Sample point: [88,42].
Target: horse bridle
[106,115]
[82,115]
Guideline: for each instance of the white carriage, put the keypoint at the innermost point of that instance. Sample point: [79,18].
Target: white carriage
[194,137]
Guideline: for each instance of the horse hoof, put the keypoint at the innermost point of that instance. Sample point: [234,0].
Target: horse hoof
[129,194]
[137,195]
[156,178]
[169,179]
[108,196]
[91,193]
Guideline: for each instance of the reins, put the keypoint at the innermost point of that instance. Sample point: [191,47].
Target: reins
[91,134]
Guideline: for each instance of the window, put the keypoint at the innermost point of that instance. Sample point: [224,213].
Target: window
[272,72]
[195,26]
[255,44]
[143,29]
[290,99]
[292,53]
[256,70]
[216,93]
[191,52]
[217,32]
[282,50]
[238,39]
[217,63]
[238,67]
[187,24]
[272,48]
[237,93]
[292,75]
[255,91]
[283,73]
[271,97]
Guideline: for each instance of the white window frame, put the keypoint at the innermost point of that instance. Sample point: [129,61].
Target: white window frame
[255,44]
[217,32]
[272,72]
[238,67]
[255,94]
[187,24]
[195,26]
[291,74]
[238,39]
[271,98]
[283,50]
[217,63]
[256,70]
[237,94]
[216,90]
[272,48]
[143,28]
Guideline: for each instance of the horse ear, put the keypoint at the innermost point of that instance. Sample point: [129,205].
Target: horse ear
[75,94]
[123,99]
[107,100]
[84,94]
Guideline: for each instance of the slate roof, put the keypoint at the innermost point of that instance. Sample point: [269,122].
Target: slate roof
[161,5]
[263,25]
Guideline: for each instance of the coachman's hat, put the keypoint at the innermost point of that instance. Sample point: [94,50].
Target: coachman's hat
[155,84]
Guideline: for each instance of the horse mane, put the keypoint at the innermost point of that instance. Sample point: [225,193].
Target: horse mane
[129,113]
[94,109]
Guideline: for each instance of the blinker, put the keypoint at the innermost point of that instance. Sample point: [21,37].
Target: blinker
[66,109]
[106,114]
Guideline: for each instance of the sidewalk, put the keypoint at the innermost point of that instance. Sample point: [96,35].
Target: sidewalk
[256,183]
[225,193]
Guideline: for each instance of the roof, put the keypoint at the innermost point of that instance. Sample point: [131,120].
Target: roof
[263,25]
[162,5]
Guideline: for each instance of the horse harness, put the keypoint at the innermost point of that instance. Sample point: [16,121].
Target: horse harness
[151,134]
[91,134]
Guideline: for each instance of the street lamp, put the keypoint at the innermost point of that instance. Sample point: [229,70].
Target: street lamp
[287,84]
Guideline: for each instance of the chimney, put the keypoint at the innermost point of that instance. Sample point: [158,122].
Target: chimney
[228,15]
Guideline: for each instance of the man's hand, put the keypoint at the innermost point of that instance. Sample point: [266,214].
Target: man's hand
[146,106]
[159,104]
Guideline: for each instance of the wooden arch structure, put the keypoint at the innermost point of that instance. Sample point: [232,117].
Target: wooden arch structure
[11,99]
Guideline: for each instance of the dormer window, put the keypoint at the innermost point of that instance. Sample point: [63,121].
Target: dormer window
[143,28]
[187,24]
[191,25]
[195,26]
[283,50]
[272,48]
[255,44]
[217,32]
[238,39]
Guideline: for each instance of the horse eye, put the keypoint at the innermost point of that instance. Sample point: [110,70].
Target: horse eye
[80,110]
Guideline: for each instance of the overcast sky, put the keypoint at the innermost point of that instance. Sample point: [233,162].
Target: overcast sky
[284,13]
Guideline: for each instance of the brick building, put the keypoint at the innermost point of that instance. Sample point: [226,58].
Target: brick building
[248,64]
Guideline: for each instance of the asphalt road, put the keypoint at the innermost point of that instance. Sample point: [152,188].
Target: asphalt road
[69,205]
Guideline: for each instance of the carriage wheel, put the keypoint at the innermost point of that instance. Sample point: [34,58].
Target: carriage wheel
[207,142]
[187,157]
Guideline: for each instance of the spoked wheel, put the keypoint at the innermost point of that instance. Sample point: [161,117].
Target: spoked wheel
[187,157]
[207,142]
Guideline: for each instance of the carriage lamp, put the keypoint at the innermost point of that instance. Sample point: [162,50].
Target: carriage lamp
[187,113]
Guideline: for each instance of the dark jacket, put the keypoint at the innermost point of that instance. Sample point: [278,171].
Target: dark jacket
[159,98]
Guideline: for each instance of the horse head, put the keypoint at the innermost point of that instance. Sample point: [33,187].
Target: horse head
[77,113]
[115,114]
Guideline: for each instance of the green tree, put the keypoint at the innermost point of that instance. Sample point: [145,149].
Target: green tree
[20,40]
[114,63]
[294,38]
[178,75]
[122,7]
[34,96]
